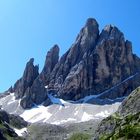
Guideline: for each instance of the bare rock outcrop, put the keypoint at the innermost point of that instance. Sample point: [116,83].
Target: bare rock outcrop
[29,75]
[50,62]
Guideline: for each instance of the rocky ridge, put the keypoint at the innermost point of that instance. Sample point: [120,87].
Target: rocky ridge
[95,63]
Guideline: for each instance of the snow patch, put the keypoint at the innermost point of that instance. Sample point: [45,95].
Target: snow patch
[86,117]
[103,114]
[21,132]
[76,112]
[12,99]
[55,100]
[36,114]
[64,121]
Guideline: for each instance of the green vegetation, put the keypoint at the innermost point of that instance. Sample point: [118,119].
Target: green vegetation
[1,126]
[126,133]
[126,129]
[80,136]
[130,132]
[82,131]
[16,124]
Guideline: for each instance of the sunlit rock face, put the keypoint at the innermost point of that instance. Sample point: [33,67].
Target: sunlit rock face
[96,63]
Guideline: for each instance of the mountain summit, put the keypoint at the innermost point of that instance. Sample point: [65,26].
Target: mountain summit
[98,64]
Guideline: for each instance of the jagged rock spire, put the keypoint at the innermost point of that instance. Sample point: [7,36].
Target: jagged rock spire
[52,58]
[85,42]
[36,93]
[29,75]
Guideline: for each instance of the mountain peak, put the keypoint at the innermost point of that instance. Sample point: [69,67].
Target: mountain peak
[111,32]
[55,47]
[96,62]
[91,28]
[91,22]
[52,58]
[30,74]
[31,61]
[108,28]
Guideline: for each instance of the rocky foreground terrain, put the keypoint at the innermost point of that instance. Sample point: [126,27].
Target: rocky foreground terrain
[9,124]
[125,123]
[73,93]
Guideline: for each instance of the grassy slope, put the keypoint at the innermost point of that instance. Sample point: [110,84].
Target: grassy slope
[69,131]
[125,128]
[125,123]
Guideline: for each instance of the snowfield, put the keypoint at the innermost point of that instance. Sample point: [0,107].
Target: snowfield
[69,113]
[60,112]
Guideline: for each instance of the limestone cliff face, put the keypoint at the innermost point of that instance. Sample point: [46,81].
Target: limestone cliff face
[95,63]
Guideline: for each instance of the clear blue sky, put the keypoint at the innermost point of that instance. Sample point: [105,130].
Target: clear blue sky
[29,28]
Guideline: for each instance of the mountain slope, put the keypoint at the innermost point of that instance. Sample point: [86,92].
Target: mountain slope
[125,123]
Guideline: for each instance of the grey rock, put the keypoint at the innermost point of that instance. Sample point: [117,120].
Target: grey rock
[30,74]
[26,101]
[50,62]
[14,120]
[85,42]
[131,105]
[7,123]
[96,65]
[34,95]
